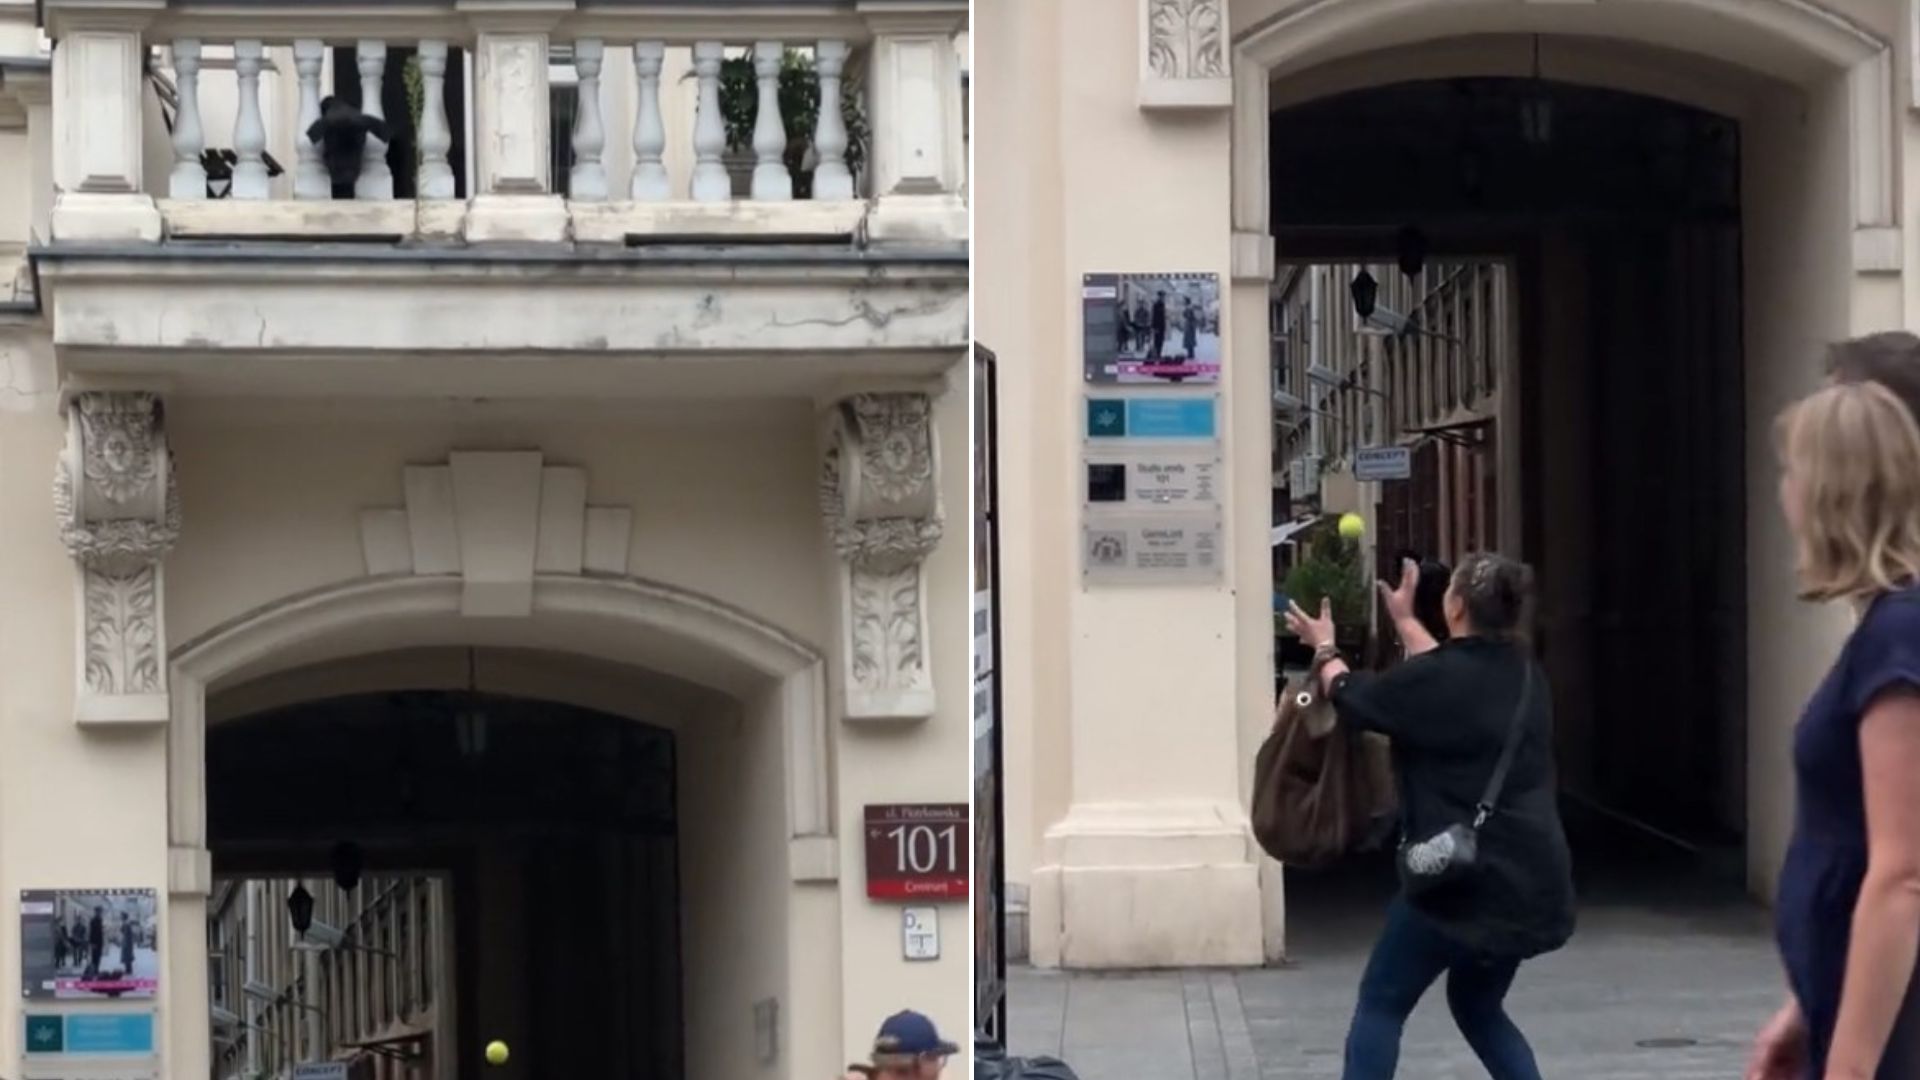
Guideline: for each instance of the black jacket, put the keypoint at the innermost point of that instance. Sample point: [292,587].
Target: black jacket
[1447,713]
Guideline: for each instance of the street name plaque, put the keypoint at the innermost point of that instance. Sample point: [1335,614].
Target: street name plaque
[917,851]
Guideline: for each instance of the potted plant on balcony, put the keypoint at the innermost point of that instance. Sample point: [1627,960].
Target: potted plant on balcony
[799,107]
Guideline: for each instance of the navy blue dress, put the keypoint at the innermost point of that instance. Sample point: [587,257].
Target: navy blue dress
[1827,859]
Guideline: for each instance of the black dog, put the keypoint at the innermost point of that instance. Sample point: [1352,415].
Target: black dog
[341,133]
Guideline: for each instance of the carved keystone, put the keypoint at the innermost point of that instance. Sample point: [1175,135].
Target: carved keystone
[881,502]
[119,514]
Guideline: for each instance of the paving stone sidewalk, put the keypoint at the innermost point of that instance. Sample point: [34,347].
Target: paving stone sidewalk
[1642,992]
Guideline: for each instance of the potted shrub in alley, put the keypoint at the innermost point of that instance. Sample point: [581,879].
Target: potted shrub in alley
[1332,569]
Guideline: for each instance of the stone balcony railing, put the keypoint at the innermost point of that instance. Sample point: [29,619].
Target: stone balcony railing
[128,167]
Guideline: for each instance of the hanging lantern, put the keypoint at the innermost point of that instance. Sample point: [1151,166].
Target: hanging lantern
[300,909]
[1365,292]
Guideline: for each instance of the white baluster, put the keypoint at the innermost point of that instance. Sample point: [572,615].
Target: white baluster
[589,180]
[376,178]
[310,179]
[831,177]
[710,180]
[189,179]
[249,130]
[650,182]
[771,180]
[435,179]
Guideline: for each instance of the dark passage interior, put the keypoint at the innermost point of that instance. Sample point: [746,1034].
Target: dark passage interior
[551,831]
[1620,216]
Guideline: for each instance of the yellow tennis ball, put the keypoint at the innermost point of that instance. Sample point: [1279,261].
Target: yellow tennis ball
[1352,526]
[496,1053]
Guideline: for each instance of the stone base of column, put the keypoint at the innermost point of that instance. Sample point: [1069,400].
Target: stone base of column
[517,219]
[86,216]
[1147,885]
[918,219]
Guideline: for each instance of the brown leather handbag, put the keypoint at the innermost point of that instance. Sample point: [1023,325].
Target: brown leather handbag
[1320,789]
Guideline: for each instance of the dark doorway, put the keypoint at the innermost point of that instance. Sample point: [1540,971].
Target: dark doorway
[554,826]
[1621,218]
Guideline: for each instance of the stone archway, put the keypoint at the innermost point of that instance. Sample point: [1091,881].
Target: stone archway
[1794,40]
[622,620]
[1831,265]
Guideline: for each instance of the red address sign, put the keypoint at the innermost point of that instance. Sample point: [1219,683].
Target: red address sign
[917,851]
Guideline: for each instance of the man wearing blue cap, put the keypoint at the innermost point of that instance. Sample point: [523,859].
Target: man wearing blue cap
[908,1047]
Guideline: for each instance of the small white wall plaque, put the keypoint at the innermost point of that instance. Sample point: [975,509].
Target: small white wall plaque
[920,933]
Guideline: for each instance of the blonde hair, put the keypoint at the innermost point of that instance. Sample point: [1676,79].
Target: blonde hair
[1854,450]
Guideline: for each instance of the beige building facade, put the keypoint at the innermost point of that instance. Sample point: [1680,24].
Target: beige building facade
[613,407]
[1252,139]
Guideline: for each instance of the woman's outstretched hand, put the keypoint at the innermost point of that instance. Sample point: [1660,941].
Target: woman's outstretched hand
[1780,1051]
[1399,600]
[1314,633]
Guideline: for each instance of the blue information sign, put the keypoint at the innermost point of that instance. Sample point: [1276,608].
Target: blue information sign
[110,1033]
[1172,418]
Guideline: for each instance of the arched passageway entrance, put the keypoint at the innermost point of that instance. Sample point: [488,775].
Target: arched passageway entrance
[1565,367]
[624,783]
[1687,199]
[512,869]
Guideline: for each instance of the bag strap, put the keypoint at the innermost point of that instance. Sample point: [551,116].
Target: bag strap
[1491,797]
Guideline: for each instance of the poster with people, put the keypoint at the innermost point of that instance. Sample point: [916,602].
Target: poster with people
[89,945]
[1151,329]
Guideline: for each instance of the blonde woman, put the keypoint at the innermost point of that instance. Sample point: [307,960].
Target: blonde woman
[1848,912]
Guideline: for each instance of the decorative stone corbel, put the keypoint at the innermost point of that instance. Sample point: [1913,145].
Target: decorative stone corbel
[119,514]
[881,501]
[1183,55]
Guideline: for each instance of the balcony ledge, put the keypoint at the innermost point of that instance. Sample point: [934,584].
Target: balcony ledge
[358,319]
[603,222]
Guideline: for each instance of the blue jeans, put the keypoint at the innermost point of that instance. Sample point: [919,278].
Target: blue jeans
[1409,956]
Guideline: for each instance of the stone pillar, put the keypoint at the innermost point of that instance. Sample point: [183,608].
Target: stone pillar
[310,177]
[881,501]
[249,127]
[914,100]
[649,183]
[831,178]
[119,514]
[97,120]
[1140,692]
[589,131]
[189,180]
[436,136]
[375,182]
[515,199]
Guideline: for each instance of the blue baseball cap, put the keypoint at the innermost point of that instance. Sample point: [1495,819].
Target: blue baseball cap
[909,1034]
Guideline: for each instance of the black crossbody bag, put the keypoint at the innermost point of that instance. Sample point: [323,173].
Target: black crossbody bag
[1453,853]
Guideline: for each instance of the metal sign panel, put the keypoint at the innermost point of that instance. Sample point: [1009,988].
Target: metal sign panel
[1141,548]
[1174,417]
[1151,329]
[89,944]
[1169,479]
[917,851]
[321,1070]
[1383,463]
[920,933]
[101,1043]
